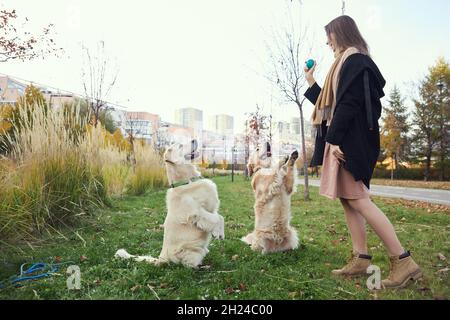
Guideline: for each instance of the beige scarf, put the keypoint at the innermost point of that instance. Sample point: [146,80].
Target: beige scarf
[326,102]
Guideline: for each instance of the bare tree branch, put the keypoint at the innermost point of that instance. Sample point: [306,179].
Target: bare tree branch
[100,80]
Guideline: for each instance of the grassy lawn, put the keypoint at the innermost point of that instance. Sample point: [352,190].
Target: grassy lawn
[232,270]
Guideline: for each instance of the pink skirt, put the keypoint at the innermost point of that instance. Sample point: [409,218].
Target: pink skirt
[337,182]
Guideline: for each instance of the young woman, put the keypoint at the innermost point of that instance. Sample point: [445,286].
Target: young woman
[347,146]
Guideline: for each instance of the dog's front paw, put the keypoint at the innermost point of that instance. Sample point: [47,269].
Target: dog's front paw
[293,158]
[219,230]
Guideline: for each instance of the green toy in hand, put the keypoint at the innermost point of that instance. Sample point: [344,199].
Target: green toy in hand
[310,63]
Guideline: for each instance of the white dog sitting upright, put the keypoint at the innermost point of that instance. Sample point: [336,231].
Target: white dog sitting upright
[192,212]
[273,187]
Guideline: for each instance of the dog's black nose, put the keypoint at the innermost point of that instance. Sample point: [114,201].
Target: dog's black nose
[294,155]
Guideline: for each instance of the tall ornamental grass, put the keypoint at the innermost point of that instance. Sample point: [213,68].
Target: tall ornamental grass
[60,169]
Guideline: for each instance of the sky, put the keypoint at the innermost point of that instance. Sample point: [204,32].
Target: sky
[211,54]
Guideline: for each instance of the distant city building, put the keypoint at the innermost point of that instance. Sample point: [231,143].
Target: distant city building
[11,90]
[295,127]
[175,133]
[222,124]
[190,118]
[282,128]
[141,125]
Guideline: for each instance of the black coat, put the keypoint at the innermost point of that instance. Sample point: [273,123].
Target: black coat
[357,104]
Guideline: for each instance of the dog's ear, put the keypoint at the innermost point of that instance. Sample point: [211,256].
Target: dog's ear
[250,169]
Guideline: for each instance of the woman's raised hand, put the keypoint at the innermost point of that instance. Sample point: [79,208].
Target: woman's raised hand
[309,75]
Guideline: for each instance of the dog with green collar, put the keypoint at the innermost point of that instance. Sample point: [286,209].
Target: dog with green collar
[192,211]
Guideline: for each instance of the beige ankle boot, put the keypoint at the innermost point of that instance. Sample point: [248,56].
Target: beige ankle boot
[356,266]
[403,268]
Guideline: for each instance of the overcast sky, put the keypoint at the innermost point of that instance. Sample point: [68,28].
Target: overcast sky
[210,54]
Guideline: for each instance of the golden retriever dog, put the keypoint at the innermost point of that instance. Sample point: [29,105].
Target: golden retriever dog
[273,187]
[192,212]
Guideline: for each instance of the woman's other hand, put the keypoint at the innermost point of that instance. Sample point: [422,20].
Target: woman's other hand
[309,75]
[337,152]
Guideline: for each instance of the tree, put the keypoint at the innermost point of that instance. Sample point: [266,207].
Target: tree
[257,127]
[441,75]
[286,73]
[13,116]
[135,127]
[98,81]
[255,131]
[431,117]
[394,134]
[17,43]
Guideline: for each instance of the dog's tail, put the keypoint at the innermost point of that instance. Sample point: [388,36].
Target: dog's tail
[123,254]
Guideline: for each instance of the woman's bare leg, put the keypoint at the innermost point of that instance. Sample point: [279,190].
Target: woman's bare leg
[379,223]
[356,226]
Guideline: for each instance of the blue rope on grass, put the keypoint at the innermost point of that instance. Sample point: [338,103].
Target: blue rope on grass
[32,273]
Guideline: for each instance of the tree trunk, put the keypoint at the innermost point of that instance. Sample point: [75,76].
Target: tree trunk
[427,166]
[392,172]
[442,144]
[305,160]
[442,158]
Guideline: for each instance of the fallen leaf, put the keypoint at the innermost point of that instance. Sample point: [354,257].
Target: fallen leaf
[163,285]
[133,289]
[235,257]
[443,270]
[242,287]
[83,258]
[441,257]
[58,259]
[292,294]
[229,290]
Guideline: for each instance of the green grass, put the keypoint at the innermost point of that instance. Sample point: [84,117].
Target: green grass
[233,271]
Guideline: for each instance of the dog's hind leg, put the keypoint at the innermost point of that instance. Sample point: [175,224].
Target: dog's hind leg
[248,239]
[291,240]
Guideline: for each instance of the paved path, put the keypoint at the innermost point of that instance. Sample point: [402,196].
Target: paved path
[427,195]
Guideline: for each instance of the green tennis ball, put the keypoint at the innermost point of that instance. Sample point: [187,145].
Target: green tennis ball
[310,63]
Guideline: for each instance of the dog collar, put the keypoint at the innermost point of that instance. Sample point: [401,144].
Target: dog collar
[185,182]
